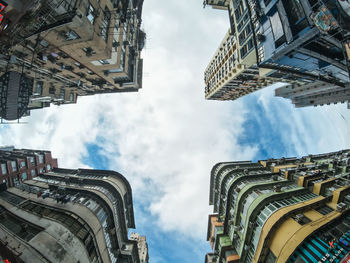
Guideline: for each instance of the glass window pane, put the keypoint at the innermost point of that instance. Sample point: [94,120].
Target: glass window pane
[3,168]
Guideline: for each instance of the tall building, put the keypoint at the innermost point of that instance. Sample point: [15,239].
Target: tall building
[281,210]
[18,165]
[269,41]
[67,215]
[54,51]
[142,247]
[314,94]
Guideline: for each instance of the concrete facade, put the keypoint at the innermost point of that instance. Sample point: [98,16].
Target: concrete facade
[296,42]
[314,94]
[271,210]
[142,247]
[76,48]
[65,215]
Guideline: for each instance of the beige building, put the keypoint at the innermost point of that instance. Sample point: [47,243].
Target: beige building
[233,71]
[77,48]
[142,246]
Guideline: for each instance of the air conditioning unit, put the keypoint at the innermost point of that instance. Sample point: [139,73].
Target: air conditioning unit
[341,207]
[299,217]
[277,188]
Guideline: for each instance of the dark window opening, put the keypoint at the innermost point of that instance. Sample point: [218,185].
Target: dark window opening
[296,16]
[301,219]
[105,24]
[91,13]
[89,51]
[71,35]
[324,210]
[39,87]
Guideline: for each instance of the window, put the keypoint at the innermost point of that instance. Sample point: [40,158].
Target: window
[71,97]
[3,168]
[104,62]
[105,24]
[89,51]
[277,27]
[91,14]
[301,219]
[14,166]
[270,258]
[247,48]
[62,93]
[48,167]
[32,160]
[24,176]
[52,90]
[71,35]
[39,87]
[68,4]
[22,164]
[44,43]
[41,158]
[324,210]
[32,173]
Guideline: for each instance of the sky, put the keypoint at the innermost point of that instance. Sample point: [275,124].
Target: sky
[166,138]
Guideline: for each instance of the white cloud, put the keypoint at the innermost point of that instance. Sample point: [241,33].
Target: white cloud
[164,139]
[310,129]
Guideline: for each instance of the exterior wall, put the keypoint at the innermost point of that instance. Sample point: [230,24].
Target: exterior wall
[314,94]
[218,4]
[21,164]
[269,208]
[279,41]
[142,247]
[77,48]
[98,201]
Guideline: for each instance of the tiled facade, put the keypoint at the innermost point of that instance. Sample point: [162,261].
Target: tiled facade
[265,211]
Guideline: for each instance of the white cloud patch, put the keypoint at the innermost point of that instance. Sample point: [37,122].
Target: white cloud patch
[309,129]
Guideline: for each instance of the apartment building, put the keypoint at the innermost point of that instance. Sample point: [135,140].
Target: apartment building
[270,41]
[317,93]
[142,246]
[18,165]
[281,210]
[65,49]
[51,214]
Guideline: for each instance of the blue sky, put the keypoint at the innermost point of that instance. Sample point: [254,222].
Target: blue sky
[166,138]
